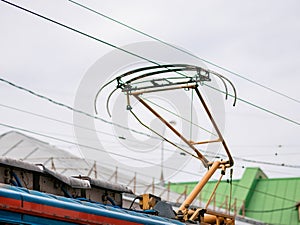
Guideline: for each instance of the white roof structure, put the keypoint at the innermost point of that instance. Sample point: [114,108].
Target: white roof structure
[16,145]
[19,146]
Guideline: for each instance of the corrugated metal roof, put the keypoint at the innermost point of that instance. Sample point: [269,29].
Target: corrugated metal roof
[278,206]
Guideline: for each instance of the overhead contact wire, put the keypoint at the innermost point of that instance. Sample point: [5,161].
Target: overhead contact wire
[256,106]
[69,107]
[121,49]
[82,33]
[184,51]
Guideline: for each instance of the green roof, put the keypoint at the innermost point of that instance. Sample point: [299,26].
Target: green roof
[254,195]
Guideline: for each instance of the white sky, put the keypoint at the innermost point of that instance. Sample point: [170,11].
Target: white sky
[257,39]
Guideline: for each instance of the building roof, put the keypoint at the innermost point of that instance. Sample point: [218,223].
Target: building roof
[18,146]
[256,196]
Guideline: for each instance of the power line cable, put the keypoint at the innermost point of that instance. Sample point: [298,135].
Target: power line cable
[71,108]
[263,192]
[184,51]
[256,106]
[85,146]
[112,123]
[82,127]
[95,117]
[166,149]
[147,162]
[80,32]
[70,124]
[270,210]
[140,160]
[256,161]
[128,52]
[267,163]
[75,125]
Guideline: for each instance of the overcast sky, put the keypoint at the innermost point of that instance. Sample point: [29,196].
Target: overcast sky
[257,39]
